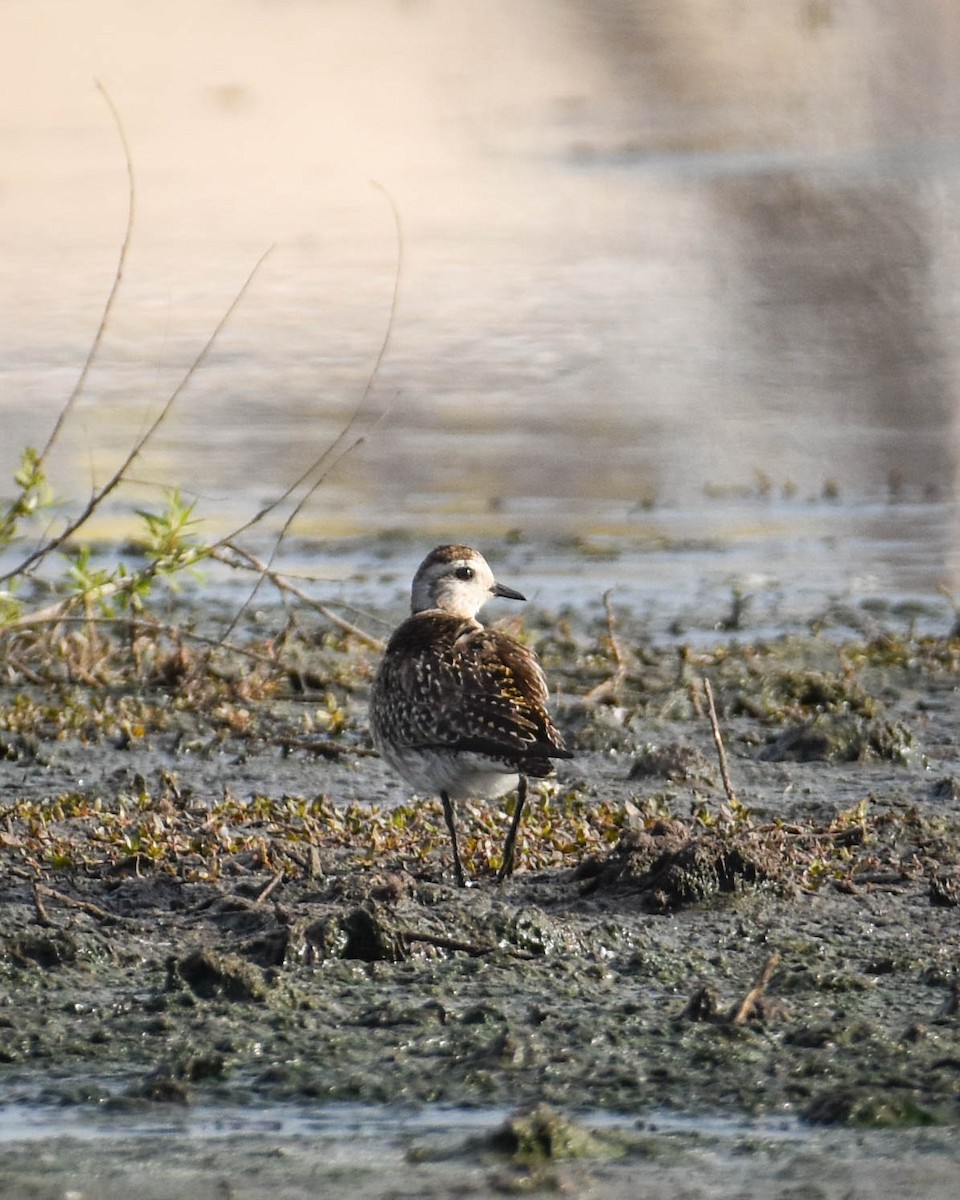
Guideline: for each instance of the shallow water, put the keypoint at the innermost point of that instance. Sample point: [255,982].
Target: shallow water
[785,563]
[382,1152]
[671,273]
[23,1122]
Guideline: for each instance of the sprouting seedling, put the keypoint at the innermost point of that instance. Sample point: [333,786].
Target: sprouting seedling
[170,545]
[33,497]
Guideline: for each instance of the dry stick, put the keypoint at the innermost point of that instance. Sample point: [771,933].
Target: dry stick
[446,943]
[59,611]
[269,888]
[114,287]
[118,476]
[10,868]
[284,585]
[330,458]
[324,746]
[474,949]
[87,906]
[740,1013]
[65,411]
[21,668]
[339,448]
[615,682]
[718,742]
[43,917]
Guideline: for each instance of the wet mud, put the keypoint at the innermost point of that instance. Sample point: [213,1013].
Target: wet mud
[202,909]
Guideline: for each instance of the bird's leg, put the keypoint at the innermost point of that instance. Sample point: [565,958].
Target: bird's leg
[506,867]
[448,817]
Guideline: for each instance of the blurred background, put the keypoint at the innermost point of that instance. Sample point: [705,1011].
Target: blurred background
[678,275]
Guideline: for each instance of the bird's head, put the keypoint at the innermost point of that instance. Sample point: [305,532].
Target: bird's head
[457,580]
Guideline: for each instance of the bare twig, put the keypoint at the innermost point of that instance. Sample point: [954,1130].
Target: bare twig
[341,446]
[274,882]
[59,615]
[59,611]
[718,742]
[114,287]
[43,917]
[284,585]
[740,1013]
[451,943]
[325,747]
[87,906]
[119,475]
[613,684]
[20,667]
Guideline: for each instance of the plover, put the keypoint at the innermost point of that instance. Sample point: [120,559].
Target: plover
[457,709]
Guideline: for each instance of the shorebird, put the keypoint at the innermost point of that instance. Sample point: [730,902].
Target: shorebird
[458,709]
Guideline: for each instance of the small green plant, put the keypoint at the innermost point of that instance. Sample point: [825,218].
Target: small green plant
[170,545]
[33,496]
[54,618]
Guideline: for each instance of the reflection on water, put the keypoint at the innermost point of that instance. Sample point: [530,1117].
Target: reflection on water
[680,265]
[353,1125]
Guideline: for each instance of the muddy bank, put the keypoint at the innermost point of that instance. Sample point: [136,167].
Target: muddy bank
[213,893]
[380,987]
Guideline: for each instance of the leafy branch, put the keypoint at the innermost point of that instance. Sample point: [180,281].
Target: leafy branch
[169,538]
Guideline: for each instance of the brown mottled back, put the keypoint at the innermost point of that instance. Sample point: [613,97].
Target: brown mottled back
[447,684]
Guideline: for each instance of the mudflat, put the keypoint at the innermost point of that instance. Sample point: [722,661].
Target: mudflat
[214,894]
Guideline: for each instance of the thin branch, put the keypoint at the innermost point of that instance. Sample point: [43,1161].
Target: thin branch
[265,893]
[118,476]
[740,1013]
[324,747]
[474,949]
[114,287]
[324,459]
[341,446]
[87,906]
[51,615]
[284,585]
[718,742]
[43,917]
[612,685]
[59,611]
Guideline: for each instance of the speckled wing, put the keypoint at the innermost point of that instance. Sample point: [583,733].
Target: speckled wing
[446,684]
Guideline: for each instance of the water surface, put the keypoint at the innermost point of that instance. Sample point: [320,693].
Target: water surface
[679,277]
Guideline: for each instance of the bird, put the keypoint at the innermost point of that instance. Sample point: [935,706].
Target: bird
[458,709]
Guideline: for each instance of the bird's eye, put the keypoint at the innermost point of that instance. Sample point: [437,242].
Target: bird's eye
[464,572]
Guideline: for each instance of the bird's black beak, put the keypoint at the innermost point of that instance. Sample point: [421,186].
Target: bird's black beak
[501,589]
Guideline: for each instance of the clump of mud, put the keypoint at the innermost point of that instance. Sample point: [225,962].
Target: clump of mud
[541,1134]
[669,866]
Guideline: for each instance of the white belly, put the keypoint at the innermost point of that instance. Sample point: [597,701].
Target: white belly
[461,776]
